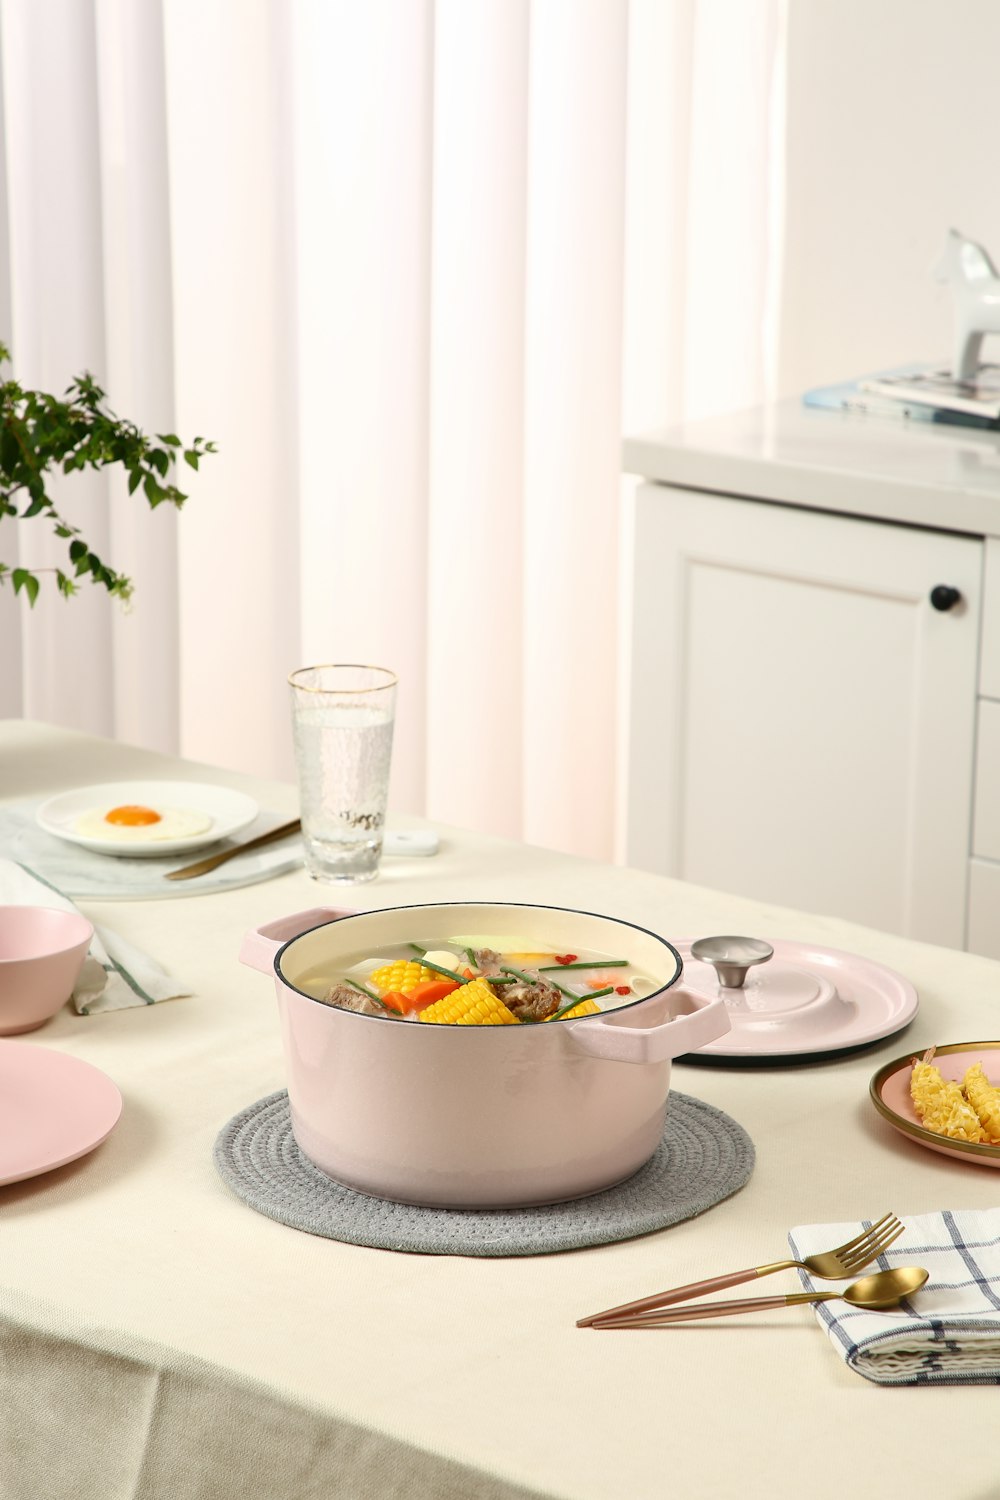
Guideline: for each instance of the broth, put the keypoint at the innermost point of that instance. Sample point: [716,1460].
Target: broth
[478,981]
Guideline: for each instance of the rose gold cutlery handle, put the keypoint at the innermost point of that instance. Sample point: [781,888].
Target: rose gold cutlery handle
[682,1293]
[714,1310]
[215,860]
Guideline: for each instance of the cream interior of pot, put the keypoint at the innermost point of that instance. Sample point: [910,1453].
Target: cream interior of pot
[313,961]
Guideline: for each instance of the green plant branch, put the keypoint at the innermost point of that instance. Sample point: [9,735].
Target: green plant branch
[41,434]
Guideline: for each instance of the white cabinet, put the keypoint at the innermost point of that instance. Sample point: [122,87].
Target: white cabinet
[802,719]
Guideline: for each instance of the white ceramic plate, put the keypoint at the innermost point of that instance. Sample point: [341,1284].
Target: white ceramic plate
[805,1001]
[890,1094]
[229,811]
[53,1108]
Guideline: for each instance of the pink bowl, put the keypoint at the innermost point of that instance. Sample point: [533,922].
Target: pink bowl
[41,954]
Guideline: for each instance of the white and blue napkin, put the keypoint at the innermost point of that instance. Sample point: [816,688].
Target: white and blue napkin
[115,975]
[948,1333]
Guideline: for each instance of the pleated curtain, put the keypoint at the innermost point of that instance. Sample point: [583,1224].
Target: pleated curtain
[415,266]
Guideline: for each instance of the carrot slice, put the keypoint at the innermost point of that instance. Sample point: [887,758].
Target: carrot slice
[430,990]
[397,1001]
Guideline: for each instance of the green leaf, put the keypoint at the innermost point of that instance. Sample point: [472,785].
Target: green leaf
[41,433]
[22,579]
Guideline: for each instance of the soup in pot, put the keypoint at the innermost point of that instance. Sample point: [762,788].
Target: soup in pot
[476,981]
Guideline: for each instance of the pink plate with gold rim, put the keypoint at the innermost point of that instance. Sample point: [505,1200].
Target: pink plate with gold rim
[53,1109]
[890,1094]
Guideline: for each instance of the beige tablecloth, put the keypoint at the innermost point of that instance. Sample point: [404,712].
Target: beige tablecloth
[161,1340]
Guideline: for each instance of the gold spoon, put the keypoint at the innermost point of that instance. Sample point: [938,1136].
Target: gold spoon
[203,866]
[883,1289]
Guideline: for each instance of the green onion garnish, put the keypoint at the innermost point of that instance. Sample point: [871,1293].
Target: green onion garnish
[448,973]
[517,973]
[579,999]
[527,979]
[604,963]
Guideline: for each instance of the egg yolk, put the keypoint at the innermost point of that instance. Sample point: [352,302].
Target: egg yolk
[131,816]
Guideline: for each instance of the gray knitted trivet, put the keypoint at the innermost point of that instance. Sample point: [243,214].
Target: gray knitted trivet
[704,1157]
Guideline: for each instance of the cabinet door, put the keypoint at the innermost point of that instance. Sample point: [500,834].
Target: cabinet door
[801,721]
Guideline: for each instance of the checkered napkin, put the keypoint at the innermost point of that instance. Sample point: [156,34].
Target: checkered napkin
[948,1333]
[115,975]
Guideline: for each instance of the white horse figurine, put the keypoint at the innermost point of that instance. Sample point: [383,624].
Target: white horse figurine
[973,278]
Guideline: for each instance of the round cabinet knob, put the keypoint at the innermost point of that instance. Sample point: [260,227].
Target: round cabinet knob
[944,597]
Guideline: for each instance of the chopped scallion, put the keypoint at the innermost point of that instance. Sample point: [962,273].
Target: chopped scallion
[603,963]
[448,973]
[529,979]
[578,1000]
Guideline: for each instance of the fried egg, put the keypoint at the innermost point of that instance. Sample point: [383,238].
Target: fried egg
[132,823]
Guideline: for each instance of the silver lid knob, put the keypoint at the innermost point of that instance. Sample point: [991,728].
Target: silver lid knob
[731,957]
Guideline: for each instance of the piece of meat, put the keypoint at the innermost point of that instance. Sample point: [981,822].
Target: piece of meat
[532,1002]
[487,961]
[351,999]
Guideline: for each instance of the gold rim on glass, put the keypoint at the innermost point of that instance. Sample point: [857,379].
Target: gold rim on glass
[910,1127]
[343,666]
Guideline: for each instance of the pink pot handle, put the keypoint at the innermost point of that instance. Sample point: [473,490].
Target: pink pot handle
[262,943]
[602,1037]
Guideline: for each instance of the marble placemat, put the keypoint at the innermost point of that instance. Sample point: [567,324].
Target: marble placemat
[82,874]
[704,1157]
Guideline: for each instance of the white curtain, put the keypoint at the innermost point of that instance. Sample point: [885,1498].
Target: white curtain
[415,266]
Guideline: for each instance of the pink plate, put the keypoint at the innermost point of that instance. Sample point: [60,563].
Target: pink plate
[53,1108]
[805,1000]
[890,1093]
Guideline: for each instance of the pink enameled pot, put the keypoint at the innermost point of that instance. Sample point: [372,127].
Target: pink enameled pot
[42,949]
[477,1116]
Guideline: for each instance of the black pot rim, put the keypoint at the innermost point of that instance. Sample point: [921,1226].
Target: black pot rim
[525,905]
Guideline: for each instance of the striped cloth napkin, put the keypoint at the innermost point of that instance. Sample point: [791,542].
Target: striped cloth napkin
[948,1333]
[115,975]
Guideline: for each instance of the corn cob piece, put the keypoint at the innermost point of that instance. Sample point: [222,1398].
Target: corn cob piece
[985,1100]
[474,1004]
[586,1007]
[940,1104]
[400,977]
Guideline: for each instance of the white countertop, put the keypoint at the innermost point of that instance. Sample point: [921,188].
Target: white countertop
[913,472]
[150,1321]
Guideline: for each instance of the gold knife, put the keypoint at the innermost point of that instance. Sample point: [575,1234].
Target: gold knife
[203,866]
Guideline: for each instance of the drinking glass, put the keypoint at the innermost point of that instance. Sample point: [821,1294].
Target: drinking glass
[342,722]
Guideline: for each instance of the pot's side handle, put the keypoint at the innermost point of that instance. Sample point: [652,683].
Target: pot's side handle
[261,944]
[600,1037]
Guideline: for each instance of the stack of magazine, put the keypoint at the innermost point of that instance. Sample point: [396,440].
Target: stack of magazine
[919,393]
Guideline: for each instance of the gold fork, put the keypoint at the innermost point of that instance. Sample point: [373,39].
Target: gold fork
[831,1265]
